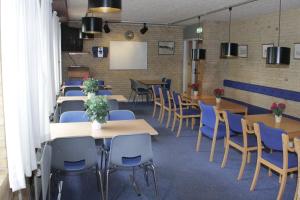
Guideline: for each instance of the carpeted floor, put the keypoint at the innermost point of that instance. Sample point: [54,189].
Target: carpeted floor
[183,174]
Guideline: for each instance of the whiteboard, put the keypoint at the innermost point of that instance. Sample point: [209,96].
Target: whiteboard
[127,55]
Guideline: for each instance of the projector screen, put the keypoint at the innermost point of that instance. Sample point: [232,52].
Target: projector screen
[125,55]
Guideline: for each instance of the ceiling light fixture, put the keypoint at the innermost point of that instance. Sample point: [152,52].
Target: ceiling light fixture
[278,55]
[91,25]
[198,54]
[228,49]
[105,6]
[106,27]
[144,29]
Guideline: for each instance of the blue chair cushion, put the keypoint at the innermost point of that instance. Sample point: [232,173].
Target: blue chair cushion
[276,158]
[189,111]
[209,132]
[74,166]
[132,161]
[251,140]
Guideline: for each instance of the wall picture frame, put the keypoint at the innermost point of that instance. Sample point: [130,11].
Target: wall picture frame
[166,48]
[264,48]
[297,51]
[243,51]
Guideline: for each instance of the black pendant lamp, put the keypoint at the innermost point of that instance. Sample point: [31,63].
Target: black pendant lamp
[278,55]
[85,36]
[198,54]
[228,49]
[91,25]
[105,6]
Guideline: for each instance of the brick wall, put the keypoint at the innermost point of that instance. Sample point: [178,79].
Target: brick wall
[254,32]
[158,65]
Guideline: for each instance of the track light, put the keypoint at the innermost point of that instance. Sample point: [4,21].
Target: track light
[106,27]
[105,6]
[91,25]
[144,29]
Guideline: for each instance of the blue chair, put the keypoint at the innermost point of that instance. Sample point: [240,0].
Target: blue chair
[74,93]
[168,84]
[276,155]
[167,105]
[100,82]
[104,92]
[70,88]
[75,155]
[184,111]
[156,100]
[211,126]
[73,82]
[74,116]
[131,151]
[76,105]
[242,140]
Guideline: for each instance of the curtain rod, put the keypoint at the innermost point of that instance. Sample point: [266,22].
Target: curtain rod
[213,11]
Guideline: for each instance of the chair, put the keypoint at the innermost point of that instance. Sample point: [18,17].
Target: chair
[76,105]
[297,150]
[74,93]
[141,90]
[74,116]
[73,82]
[131,151]
[104,92]
[242,139]
[71,88]
[100,82]
[132,86]
[168,84]
[167,105]
[278,157]
[67,157]
[211,125]
[185,111]
[156,100]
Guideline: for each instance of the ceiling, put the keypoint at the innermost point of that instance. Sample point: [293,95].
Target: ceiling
[168,11]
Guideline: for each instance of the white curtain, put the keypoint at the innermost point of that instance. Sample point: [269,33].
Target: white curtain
[30,76]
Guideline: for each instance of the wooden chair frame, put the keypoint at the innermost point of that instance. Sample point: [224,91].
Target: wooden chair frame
[156,103]
[297,150]
[180,116]
[283,172]
[165,108]
[246,155]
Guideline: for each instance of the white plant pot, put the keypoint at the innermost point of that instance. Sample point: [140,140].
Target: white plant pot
[278,118]
[96,125]
[195,93]
[218,100]
[90,95]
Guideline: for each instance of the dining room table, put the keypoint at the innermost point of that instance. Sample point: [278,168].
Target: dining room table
[119,98]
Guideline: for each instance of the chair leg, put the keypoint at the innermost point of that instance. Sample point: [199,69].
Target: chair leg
[130,95]
[174,122]
[106,188]
[155,181]
[242,168]
[162,116]
[198,141]
[179,128]
[282,186]
[270,173]
[101,184]
[225,154]
[154,110]
[193,123]
[212,150]
[249,157]
[297,189]
[256,174]
[169,118]
[187,122]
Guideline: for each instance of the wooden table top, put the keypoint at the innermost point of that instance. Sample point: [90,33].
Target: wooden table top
[119,98]
[223,105]
[107,87]
[290,126]
[151,82]
[108,130]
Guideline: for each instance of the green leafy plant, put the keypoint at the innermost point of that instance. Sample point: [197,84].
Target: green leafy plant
[97,108]
[90,86]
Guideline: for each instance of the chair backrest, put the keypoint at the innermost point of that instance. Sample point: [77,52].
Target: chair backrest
[168,84]
[71,88]
[208,115]
[74,116]
[113,104]
[176,98]
[45,164]
[74,93]
[271,137]
[76,105]
[100,82]
[73,82]
[68,151]
[163,95]
[155,90]
[132,84]
[130,150]
[104,92]
[120,115]
[234,122]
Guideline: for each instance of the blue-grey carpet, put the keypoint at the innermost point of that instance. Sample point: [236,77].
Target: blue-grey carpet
[183,173]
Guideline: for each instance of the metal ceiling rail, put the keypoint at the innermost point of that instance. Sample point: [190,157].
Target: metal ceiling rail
[213,11]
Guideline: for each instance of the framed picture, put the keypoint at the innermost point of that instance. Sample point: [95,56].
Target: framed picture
[166,47]
[297,51]
[243,51]
[264,49]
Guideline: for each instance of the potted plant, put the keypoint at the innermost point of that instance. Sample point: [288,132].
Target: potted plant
[219,92]
[195,88]
[90,87]
[277,109]
[97,109]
